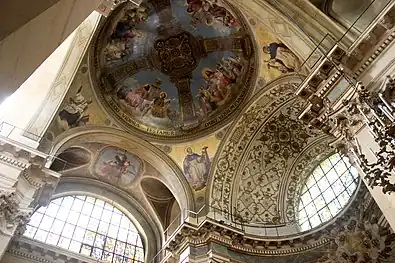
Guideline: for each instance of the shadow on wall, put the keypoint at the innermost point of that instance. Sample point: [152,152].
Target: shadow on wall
[163,202]
[71,158]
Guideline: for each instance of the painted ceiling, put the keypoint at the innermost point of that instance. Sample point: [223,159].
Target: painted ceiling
[174,68]
[177,69]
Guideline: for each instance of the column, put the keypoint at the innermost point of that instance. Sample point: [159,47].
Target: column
[24,184]
[37,33]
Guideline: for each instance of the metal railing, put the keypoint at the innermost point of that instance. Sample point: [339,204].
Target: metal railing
[30,141]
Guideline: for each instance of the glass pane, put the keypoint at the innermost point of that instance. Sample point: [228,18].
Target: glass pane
[340,167]
[68,230]
[139,254]
[113,231]
[130,250]
[306,198]
[75,246]
[83,221]
[30,231]
[99,203]
[52,210]
[64,242]
[139,243]
[36,219]
[120,248]
[99,241]
[116,219]
[106,215]
[46,223]
[57,226]
[315,220]
[318,174]
[41,235]
[96,213]
[67,202]
[328,195]
[132,237]
[52,239]
[86,250]
[72,217]
[326,166]
[122,234]
[79,234]
[110,244]
[332,176]
[97,253]
[87,208]
[323,184]
[77,205]
[314,191]
[93,224]
[89,237]
[319,202]
[107,256]
[103,227]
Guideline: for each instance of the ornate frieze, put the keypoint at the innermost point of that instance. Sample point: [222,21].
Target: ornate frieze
[364,213]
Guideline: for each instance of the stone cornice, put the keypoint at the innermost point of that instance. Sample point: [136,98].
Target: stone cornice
[40,252]
[220,232]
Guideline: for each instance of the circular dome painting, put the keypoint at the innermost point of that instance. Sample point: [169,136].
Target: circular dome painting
[173,69]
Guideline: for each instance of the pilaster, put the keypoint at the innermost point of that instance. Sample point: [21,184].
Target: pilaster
[24,184]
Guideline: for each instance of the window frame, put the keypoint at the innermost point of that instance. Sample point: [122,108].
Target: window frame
[328,175]
[137,246]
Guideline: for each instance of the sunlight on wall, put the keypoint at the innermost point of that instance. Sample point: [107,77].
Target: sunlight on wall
[20,107]
[18,110]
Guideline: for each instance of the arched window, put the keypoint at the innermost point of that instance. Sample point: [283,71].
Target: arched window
[326,192]
[89,226]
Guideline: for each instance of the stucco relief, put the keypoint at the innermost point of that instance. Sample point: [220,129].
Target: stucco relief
[302,167]
[233,147]
[272,150]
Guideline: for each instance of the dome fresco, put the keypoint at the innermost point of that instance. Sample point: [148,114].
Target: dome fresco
[174,68]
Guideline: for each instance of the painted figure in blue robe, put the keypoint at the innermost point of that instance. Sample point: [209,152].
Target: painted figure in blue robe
[196,168]
[281,58]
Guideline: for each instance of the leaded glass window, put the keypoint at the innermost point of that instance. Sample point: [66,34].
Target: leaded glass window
[89,226]
[327,191]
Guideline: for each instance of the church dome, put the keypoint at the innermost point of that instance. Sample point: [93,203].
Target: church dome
[173,69]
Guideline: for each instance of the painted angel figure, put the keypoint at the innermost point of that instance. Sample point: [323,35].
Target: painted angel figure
[121,163]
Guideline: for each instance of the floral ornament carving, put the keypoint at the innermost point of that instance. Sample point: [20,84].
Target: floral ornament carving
[274,147]
[363,239]
[10,215]
[233,149]
[254,142]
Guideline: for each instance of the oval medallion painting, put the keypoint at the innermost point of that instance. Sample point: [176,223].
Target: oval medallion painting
[173,69]
[117,166]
